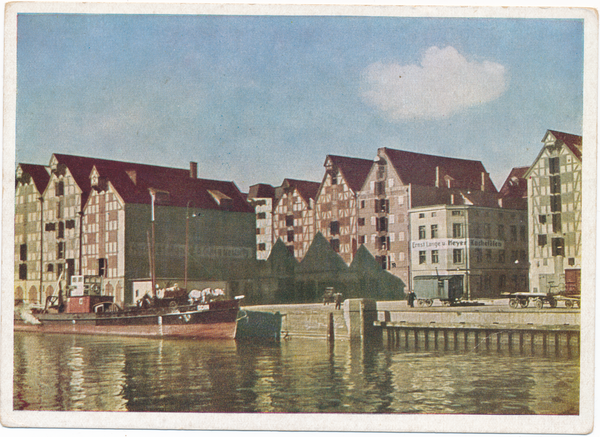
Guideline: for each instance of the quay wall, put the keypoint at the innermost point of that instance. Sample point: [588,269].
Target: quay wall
[313,320]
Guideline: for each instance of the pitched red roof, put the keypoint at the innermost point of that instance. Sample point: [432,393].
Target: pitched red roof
[354,170]
[261,191]
[420,169]
[573,142]
[515,184]
[39,174]
[133,182]
[307,189]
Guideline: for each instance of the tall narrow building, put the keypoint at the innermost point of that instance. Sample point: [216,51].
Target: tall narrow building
[336,209]
[294,218]
[554,211]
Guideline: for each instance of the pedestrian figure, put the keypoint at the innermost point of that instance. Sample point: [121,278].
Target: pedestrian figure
[411,299]
[338,301]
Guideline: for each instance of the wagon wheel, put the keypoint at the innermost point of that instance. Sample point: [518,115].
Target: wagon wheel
[539,303]
[421,302]
[446,303]
[552,302]
[513,303]
[429,302]
[569,303]
[172,304]
[524,302]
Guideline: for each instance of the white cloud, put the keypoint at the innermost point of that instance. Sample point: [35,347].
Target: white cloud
[443,84]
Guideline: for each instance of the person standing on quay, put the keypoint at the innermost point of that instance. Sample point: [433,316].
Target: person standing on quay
[411,299]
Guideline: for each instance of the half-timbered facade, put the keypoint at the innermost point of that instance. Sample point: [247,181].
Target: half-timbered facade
[31,182]
[96,218]
[294,219]
[262,197]
[554,211]
[336,208]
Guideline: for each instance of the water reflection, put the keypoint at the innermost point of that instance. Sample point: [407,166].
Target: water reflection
[63,372]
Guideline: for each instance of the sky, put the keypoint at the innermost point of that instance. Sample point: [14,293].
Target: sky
[256,99]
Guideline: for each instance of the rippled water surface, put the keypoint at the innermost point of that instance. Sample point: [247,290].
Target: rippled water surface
[64,372]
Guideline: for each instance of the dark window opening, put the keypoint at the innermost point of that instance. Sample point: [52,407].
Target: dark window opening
[361,239]
[60,250]
[361,221]
[555,203]
[556,224]
[382,205]
[59,187]
[555,184]
[334,228]
[542,219]
[70,224]
[262,246]
[422,233]
[571,261]
[61,230]
[102,267]
[59,269]
[381,224]
[257,231]
[434,231]
[261,215]
[422,257]
[290,236]
[457,256]
[542,240]
[23,252]
[50,268]
[558,247]
[379,188]
[362,204]
[435,257]
[335,244]
[289,220]
[50,226]
[554,165]
[22,271]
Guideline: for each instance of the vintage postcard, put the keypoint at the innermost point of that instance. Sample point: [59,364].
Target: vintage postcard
[299,218]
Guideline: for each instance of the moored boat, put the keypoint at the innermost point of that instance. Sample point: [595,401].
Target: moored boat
[87,311]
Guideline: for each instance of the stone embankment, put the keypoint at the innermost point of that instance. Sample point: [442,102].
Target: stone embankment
[358,318]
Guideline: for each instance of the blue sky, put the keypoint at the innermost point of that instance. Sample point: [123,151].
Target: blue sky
[261,98]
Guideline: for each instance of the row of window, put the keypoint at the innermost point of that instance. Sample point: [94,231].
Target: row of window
[458,231]
[458,256]
[558,244]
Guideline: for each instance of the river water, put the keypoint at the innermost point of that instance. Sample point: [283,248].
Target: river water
[105,373]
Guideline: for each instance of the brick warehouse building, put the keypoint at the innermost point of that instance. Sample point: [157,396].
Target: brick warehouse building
[401,180]
[97,214]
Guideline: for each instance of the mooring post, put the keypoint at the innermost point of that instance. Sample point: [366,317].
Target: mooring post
[331,328]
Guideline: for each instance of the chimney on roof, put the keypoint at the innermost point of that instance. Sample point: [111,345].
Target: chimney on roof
[194,170]
[132,175]
[483,181]
[437,176]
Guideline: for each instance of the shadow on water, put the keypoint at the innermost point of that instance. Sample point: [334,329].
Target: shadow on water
[88,373]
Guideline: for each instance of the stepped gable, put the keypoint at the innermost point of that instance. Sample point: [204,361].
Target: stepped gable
[133,181]
[39,174]
[573,142]
[515,184]
[320,257]
[354,170]
[420,169]
[307,189]
[261,191]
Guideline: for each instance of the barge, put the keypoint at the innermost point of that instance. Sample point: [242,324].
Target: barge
[86,310]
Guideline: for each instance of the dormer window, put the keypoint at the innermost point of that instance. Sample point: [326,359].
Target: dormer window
[223,200]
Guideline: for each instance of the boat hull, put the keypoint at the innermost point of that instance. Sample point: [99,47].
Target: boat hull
[216,322]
